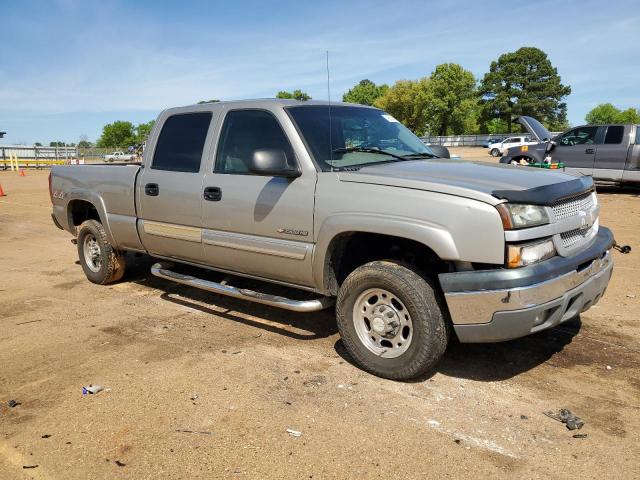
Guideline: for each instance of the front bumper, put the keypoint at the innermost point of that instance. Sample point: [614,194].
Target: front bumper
[526,300]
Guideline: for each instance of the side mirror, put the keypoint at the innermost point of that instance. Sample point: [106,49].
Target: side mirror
[550,146]
[272,162]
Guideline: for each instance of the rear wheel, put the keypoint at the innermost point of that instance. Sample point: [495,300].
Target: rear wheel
[495,152]
[391,321]
[101,263]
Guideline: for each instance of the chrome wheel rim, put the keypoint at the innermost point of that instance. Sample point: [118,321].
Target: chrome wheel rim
[382,322]
[92,253]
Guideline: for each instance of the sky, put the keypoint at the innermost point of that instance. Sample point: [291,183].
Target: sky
[68,67]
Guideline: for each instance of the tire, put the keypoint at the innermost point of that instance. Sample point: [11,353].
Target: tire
[105,265]
[494,152]
[412,300]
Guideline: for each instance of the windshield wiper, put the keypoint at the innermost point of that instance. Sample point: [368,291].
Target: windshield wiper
[367,150]
[420,155]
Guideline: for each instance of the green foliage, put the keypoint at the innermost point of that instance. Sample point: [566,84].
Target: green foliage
[606,113]
[524,82]
[452,100]
[57,144]
[365,93]
[85,144]
[208,101]
[143,130]
[407,101]
[37,144]
[296,95]
[117,134]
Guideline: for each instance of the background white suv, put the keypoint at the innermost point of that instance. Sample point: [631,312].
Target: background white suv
[496,149]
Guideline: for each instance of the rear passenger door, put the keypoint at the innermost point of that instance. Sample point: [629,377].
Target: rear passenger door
[169,187]
[612,153]
[577,150]
[259,225]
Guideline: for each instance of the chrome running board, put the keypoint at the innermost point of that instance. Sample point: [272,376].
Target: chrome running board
[159,270]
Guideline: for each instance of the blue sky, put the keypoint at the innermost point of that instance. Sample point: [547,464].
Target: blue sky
[68,67]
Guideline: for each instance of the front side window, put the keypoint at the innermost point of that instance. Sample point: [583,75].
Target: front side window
[614,134]
[579,136]
[244,132]
[181,142]
[346,137]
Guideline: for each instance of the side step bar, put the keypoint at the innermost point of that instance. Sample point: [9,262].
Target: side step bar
[272,300]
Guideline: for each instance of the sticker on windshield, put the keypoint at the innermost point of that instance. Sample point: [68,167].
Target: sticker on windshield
[389,118]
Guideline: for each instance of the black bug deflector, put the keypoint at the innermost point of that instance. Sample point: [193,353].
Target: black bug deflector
[547,194]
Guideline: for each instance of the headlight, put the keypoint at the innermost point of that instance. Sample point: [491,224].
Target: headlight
[526,254]
[514,215]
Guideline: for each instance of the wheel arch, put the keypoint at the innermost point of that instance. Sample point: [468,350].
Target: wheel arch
[348,241]
[82,206]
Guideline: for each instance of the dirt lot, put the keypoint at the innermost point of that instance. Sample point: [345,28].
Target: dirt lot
[201,386]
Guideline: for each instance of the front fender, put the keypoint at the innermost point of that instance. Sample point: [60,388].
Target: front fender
[434,236]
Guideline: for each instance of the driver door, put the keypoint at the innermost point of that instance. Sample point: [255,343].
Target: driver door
[259,225]
[577,150]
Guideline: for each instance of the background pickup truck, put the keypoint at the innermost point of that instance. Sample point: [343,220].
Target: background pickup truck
[343,202]
[120,157]
[608,153]
[498,148]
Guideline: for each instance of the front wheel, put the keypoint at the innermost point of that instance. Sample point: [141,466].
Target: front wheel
[391,321]
[495,152]
[101,263]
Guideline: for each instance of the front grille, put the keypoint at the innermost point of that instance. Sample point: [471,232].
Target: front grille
[569,208]
[572,237]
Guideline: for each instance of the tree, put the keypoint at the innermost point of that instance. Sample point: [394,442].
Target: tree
[37,144]
[297,95]
[407,100]
[452,100]
[57,144]
[208,101]
[365,92]
[117,134]
[84,142]
[143,130]
[524,82]
[606,113]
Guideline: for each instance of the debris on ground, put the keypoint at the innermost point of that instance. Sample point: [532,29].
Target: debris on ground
[608,367]
[92,389]
[119,463]
[294,433]
[13,403]
[524,417]
[580,435]
[30,466]
[194,431]
[194,397]
[565,416]
[46,435]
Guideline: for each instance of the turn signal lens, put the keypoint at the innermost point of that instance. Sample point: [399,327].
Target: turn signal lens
[526,254]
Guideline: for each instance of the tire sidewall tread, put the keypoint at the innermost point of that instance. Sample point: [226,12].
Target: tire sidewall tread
[113,265]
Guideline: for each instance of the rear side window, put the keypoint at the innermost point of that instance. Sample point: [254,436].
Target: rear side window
[244,132]
[614,134]
[181,142]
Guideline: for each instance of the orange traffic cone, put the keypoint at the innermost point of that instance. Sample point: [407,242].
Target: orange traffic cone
[22,174]
[2,194]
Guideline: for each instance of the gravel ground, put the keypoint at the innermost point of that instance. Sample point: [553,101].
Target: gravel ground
[203,386]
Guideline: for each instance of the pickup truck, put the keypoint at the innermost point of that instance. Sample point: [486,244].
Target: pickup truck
[343,202]
[608,153]
[120,157]
[496,149]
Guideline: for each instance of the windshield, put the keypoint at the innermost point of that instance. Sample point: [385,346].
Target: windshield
[359,136]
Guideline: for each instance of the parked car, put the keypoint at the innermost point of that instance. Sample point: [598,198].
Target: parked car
[120,157]
[496,149]
[490,141]
[608,153]
[410,247]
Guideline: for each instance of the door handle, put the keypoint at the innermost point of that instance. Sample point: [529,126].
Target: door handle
[212,194]
[151,189]
[589,150]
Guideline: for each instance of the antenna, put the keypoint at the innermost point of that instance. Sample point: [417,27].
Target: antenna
[329,98]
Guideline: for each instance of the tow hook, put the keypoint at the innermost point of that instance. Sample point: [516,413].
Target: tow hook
[622,248]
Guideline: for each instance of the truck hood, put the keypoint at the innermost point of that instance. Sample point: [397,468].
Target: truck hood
[535,128]
[486,182]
